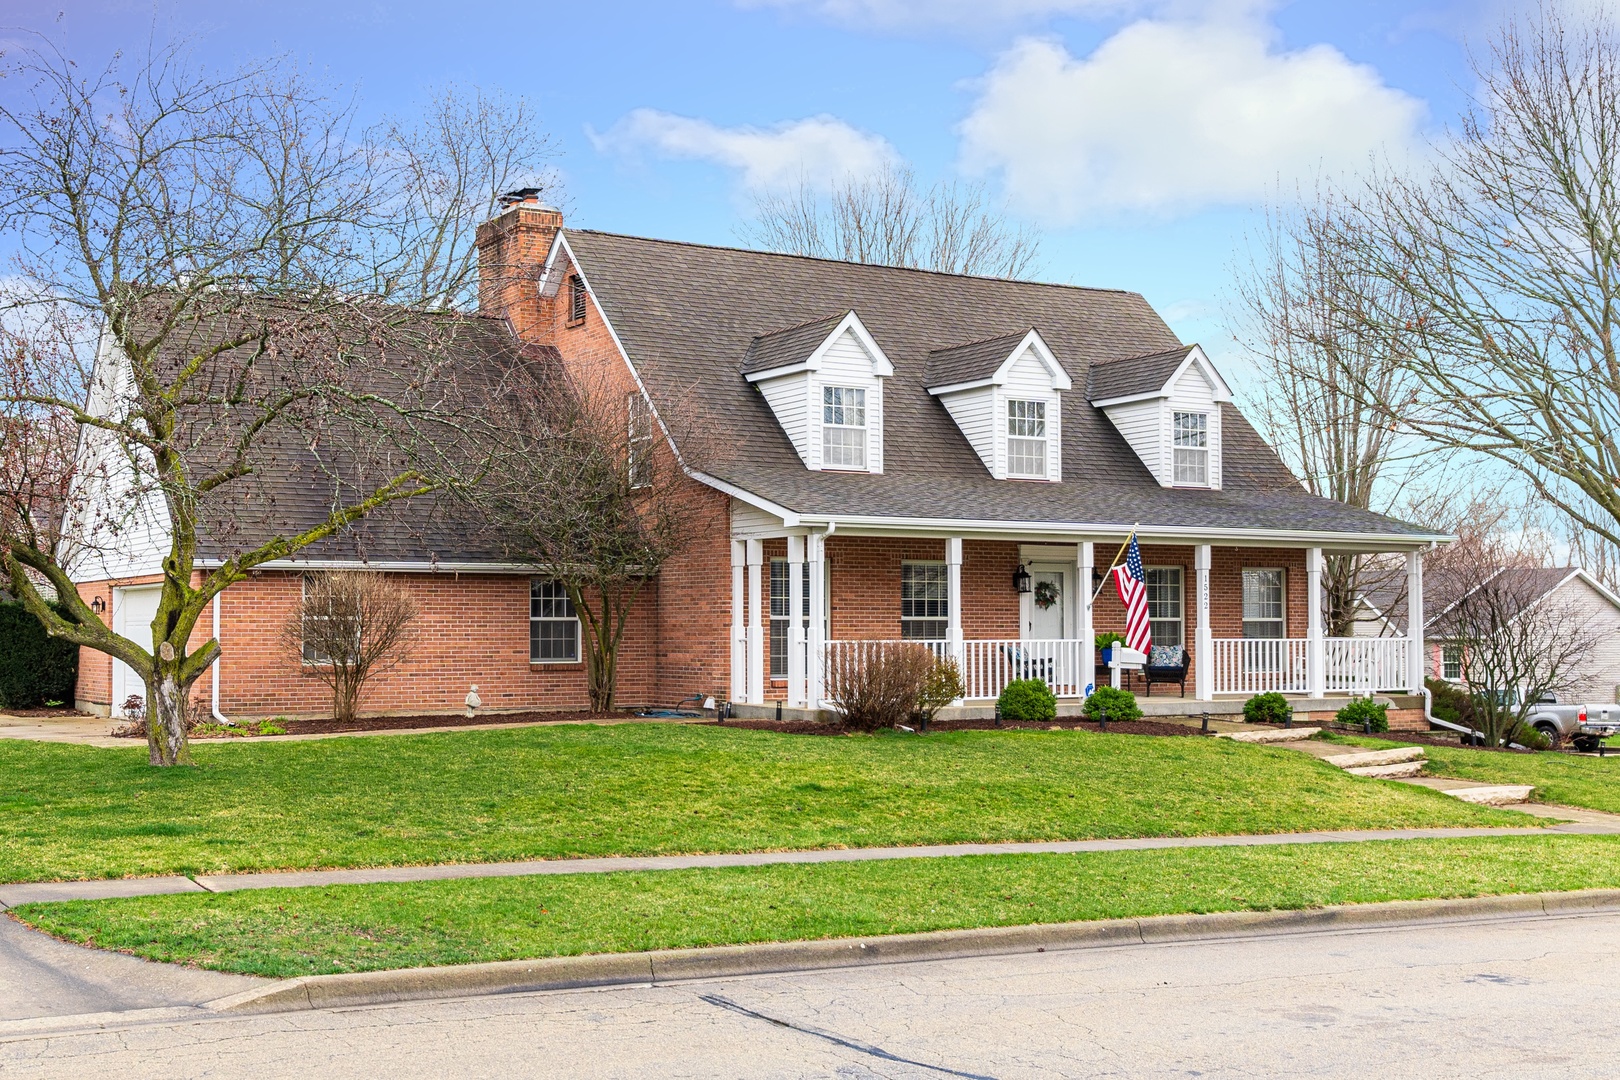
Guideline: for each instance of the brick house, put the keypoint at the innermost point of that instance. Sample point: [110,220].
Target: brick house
[890,453]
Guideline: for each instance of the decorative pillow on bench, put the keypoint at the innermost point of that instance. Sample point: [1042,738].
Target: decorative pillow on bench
[1165,656]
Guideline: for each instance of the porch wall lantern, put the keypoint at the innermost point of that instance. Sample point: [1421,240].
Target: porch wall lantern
[98,605]
[1021,579]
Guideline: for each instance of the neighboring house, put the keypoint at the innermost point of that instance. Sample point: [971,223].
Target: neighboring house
[1382,613]
[886,454]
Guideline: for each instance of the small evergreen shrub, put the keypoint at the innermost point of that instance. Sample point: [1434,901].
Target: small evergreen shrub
[1119,704]
[1028,700]
[34,667]
[1364,711]
[1529,738]
[1268,708]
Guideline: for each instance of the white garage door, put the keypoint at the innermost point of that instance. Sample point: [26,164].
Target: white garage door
[134,609]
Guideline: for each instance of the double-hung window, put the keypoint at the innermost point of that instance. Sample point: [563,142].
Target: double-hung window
[1191,448]
[314,630]
[1451,663]
[553,624]
[925,607]
[843,427]
[781,612]
[1263,604]
[1164,600]
[640,440]
[1026,439]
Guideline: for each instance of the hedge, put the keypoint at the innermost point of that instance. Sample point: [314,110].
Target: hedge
[34,668]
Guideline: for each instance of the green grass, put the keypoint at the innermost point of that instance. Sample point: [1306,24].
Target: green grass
[287,932]
[1560,779]
[473,796]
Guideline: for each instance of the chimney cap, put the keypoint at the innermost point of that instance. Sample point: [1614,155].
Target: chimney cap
[521,195]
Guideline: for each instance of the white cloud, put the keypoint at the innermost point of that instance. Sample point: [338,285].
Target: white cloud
[819,149]
[1168,117]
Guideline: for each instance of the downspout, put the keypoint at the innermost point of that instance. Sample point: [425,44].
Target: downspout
[218,716]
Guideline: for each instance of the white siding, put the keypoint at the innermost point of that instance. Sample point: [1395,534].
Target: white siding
[1146,427]
[749,520]
[789,398]
[1193,393]
[975,415]
[847,363]
[1601,672]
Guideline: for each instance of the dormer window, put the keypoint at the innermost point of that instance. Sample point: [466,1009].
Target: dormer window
[1026,439]
[843,427]
[1192,448]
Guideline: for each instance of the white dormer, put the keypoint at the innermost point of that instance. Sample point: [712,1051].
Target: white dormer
[824,382]
[1168,408]
[1006,396]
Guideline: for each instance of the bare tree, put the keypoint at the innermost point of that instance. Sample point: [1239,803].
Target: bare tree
[887,219]
[1498,270]
[878,684]
[351,626]
[1302,309]
[214,236]
[1518,643]
[584,486]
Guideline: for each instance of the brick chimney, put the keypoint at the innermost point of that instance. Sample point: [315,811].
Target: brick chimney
[512,248]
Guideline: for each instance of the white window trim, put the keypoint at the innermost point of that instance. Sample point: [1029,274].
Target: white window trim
[865,427]
[1044,439]
[579,644]
[1282,574]
[1181,602]
[1446,648]
[1176,449]
[639,444]
[303,639]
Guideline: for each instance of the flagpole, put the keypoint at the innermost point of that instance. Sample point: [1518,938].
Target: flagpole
[1115,562]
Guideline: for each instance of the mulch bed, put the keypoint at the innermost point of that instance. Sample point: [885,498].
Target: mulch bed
[1128,727]
[58,710]
[403,723]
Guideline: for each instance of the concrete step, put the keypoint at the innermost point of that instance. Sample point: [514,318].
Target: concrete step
[1493,795]
[1388,772]
[1376,757]
[1270,735]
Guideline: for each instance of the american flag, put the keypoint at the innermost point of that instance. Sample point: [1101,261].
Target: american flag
[1133,594]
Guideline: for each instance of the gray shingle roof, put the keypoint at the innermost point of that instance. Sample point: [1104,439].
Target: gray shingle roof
[968,363]
[791,346]
[688,315]
[1135,375]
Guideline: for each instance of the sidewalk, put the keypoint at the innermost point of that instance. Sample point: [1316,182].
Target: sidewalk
[1589,824]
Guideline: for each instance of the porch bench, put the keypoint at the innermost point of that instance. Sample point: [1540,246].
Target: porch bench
[1166,664]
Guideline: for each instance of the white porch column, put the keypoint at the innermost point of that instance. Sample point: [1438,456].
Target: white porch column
[1315,644]
[739,629]
[953,604]
[817,556]
[1085,559]
[795,641]
[1416,661]
[1204,654]
[756,630]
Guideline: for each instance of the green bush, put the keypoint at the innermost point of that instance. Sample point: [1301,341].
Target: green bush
[34,668]
[1270,708]
[942,686]
[1119,704]
[1529,738]
[1027,699]
[1452,703]
[1363,711]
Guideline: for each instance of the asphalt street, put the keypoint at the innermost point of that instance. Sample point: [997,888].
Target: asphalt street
[1513,998]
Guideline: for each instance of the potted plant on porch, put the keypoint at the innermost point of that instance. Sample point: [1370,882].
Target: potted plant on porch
[1105,646]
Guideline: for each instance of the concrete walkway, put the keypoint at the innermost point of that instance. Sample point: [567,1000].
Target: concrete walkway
[45,892]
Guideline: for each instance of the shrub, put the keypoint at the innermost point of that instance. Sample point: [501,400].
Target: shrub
[942,686]
[877,684]
[1529,738]
[1362,712]
[1028,700]
[1119,704]
[34,667]
[1269,708]
[1451,702]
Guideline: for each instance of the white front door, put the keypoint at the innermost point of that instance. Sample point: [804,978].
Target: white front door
[134,608]
[1047,603]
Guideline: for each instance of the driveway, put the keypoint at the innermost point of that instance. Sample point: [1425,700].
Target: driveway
[1500,999]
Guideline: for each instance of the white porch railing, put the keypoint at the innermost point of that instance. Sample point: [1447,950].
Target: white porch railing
[1366,665]
[989,665]
[1260,665]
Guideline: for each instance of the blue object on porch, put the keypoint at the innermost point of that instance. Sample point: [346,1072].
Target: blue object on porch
[1167,664]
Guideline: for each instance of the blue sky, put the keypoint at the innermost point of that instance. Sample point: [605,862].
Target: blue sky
[1142,138]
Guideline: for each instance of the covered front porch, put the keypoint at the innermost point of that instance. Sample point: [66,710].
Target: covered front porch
[1248,614]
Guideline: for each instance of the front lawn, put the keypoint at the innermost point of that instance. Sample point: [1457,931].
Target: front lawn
[1560,779]
[287,932]
[478,796]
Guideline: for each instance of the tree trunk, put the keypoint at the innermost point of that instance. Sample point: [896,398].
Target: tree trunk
[167,714]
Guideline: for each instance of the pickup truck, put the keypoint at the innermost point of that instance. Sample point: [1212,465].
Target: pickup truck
[1582,725]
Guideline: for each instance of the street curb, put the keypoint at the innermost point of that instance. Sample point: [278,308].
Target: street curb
[728,961]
